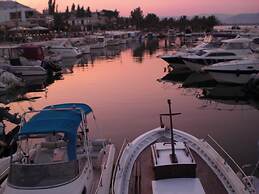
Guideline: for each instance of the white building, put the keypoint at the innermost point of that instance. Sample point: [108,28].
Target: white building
[14,12]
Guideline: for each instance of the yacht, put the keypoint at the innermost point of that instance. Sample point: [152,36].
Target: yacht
[176,58]
[233,72]
[55,154]
[232,49]
[180,163]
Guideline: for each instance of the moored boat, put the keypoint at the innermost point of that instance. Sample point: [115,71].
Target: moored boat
[176,155]
[233,72]
[55,154]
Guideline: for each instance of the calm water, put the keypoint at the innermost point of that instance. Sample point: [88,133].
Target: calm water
[123,89]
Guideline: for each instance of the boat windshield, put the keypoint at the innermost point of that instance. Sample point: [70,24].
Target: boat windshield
[42,161]
[201,53]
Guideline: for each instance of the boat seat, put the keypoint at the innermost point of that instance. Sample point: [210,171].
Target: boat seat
[51,152]
[53,145]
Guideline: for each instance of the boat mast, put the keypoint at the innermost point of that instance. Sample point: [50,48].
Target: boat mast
[173,156]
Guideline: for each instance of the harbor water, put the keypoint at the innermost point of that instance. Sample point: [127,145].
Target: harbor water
[123,86]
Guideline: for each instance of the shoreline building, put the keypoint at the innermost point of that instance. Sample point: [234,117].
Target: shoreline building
[14,14]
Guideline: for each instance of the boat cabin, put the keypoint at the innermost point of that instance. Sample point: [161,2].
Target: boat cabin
[174,177]
[185,167]
[15,53]
[236,44]
[51,147]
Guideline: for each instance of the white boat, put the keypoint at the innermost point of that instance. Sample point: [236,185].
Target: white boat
[24,70]
[176,154]
[63,47]
[55,154]
[8,80]
[97,42]
[81,44]
[175,59]
[233,72]
[232,49]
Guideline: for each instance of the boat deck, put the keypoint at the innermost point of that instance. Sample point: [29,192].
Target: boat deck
[143,174]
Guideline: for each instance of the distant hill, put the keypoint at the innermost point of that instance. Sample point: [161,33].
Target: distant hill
[245,18]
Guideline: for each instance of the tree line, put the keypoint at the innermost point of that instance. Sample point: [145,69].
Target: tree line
[152,22]
[136,19]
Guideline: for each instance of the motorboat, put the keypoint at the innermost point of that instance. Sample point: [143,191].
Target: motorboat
[176,57]
[233,72]
[175,60]
[80,43]
[232,49]
[63,47]
[180,163]
[8,81]
[55,154]
[26,60]
[24,70]
[97,42]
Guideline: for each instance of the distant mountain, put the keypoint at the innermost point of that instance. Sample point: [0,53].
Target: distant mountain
[245,18]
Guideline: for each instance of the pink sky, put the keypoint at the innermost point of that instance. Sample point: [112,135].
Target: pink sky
[161,8]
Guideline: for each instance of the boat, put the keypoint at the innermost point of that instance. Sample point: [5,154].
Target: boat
[180,163]
[232,49]
[25,60]
[63,47]
[8,80]
[233,72]
[176,58]
[81,44]
[55,154]
[97,42]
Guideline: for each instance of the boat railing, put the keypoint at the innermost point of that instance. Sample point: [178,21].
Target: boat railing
[4,174]
[117,165]
[231,162]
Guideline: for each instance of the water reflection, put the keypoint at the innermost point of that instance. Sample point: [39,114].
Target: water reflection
[127,98]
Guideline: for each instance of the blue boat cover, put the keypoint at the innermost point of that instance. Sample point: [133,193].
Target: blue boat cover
[58,119]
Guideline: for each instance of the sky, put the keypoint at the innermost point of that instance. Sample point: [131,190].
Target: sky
[161,8]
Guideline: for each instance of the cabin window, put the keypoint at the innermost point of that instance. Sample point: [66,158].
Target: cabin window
[29,14]
[15,15]
[42,161]
[256,41]
[201,52]
[221,54]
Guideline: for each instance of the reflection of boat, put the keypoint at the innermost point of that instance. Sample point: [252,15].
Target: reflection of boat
[224,92]
[182,163]
[56,156]
[235,72]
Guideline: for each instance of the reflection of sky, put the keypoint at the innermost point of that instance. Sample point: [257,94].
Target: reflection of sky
[127,100]
[163,8]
